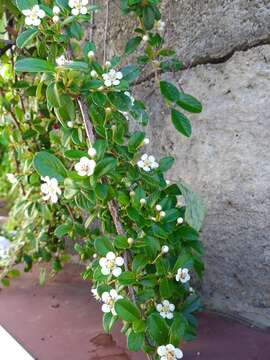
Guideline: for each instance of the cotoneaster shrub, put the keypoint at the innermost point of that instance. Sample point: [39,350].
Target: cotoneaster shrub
[79,175]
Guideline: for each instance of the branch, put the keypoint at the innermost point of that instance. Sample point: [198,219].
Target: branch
[113,208]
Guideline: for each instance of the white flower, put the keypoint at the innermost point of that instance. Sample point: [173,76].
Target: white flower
[160,25]
[182,275]
[61,61]
[111,264]
[33,16]
[78,7]
[168,182]
[165,249]
[92,152]
[56,10]
[146,141]
[95,294]
[169,352]
[158,207]
[166,309]
[145,38]
[91,54]
[85,167]
[147,162]
[27,116]
[50,189]
[112,78]
[142,201]
[70,124]
[93,73]
[180,221]
[4,246]
[109,299]
[11,178]
[55,19]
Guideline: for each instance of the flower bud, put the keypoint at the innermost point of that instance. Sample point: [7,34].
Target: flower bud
[70,124]
[180,221]
[158,207]
[146,141]
[162,214]
[145,38]
[165,249]
[130,241]
[93,73]
[91,54]
[92,152]
[142,201]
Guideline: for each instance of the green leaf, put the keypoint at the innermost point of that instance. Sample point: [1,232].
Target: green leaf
[130,73]
[132,45]
[76,65]
[33,65]
[195,209]
[25,4]
[135,141]
[189,103]
[135,341]
[62,230]
[138,326]
[120,101]
[52,95]
[165,288]
[177,330]
[47,164]
[25,37]
[166,163]
[148,17]
[127,311]
[103,245]
[105,166]
[139,262]
[169,91]
[120,242]
[158,329]
[127,278]
[108,322]
[181,123]
[74,154]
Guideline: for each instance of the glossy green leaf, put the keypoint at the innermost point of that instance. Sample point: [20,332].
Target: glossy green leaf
[169,91]
[25,37]
[181,123]
[33,65]
[127,311]
[189,103]
[46,164]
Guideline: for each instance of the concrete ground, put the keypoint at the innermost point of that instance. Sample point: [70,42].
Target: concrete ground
[61,321]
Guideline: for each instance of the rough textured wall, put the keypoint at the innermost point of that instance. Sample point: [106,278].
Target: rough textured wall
[224,46]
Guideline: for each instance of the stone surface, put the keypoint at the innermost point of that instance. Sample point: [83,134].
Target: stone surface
[227,159]
[198,30]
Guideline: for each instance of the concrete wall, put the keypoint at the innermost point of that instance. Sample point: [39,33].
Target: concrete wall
[224,45]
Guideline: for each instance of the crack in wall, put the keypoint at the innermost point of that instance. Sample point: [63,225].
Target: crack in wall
[210,60]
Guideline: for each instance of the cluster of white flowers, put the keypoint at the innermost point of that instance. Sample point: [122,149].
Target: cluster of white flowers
[50,189]
[56,12]
[166,309]
[4,247]
[147,163]
[111,264]
[85,167]
[11,178]
[112,77]
[109,299]
[33,16]
[182,275]
[61,61]
[169,352]
[78,7]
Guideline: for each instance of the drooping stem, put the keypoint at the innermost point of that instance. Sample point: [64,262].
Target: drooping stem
[113,208]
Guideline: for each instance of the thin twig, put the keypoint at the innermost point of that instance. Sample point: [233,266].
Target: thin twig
[106,31]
